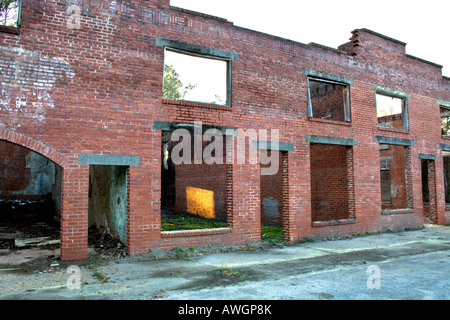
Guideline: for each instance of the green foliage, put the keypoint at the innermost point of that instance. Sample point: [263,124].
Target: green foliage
[173,87]
[219,100]
[445,126]
[178,222]
[272,234]
[100,276]
[5,4]
[185,222]
[180,254]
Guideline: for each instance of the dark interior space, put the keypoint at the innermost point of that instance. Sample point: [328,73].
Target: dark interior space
[193,195]
[30,199]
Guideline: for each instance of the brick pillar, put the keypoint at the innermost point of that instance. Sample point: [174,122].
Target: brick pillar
[350,183]
[285,221]
[432,190]
[297,172]
[229,195]
[144,216]
[74,217]
[409,178]
[246,203]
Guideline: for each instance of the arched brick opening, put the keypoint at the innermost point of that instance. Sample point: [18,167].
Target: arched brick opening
[40,151]
[34,145]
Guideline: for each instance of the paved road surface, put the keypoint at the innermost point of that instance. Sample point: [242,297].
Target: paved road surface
[401,266]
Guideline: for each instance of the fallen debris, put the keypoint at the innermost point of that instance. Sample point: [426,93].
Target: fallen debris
[30,242]
[104,243]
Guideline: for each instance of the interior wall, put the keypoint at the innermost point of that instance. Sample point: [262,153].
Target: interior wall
[24,172]
[57,192]
[271,196]
[197,189]
[108,199]
[27,176]
[329,182]
[447,178]
[429,191]
[398,176]
[327,100]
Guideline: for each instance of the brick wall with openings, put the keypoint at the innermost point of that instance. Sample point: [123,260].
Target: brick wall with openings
[91,82]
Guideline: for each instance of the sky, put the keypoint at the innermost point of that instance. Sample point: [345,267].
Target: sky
[208,75]
[423,25]
[11,19]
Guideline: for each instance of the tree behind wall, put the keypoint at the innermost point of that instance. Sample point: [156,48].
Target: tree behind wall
[8,13]
[173,87]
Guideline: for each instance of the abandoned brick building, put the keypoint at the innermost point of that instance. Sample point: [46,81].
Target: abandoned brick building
[86,122]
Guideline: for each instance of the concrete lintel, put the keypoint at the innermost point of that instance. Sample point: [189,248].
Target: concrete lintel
[331,140]
[396,141]
[171,126]
[195,48]
[425,156]
[390,92]
[267,145]
[444,104]
[444,146]
[326,76]
[108,159]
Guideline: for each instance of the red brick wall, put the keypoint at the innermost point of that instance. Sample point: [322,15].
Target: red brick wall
[429,207]
[272,195]
[329,182]
[327,101]
[202,176]
[394,121]
[398,177]
[97,89]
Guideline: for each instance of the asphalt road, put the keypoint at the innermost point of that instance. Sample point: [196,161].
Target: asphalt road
[410,265]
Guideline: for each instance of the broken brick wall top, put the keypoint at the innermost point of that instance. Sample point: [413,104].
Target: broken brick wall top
[85,81]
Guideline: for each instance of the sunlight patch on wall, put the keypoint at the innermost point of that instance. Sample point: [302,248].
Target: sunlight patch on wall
[200,202]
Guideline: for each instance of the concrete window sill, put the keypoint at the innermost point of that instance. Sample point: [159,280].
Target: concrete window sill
[333,222]
[196,104]
[195,233]
[397,211]
[11,30]
[340,123]
[394,130]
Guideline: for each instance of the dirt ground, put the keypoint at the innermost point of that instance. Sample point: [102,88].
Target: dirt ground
[37,266]
[30,245]
[28,268]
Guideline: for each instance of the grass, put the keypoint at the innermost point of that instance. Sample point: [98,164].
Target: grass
[180,254]
[100,276]
[179,222]
[272,234]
